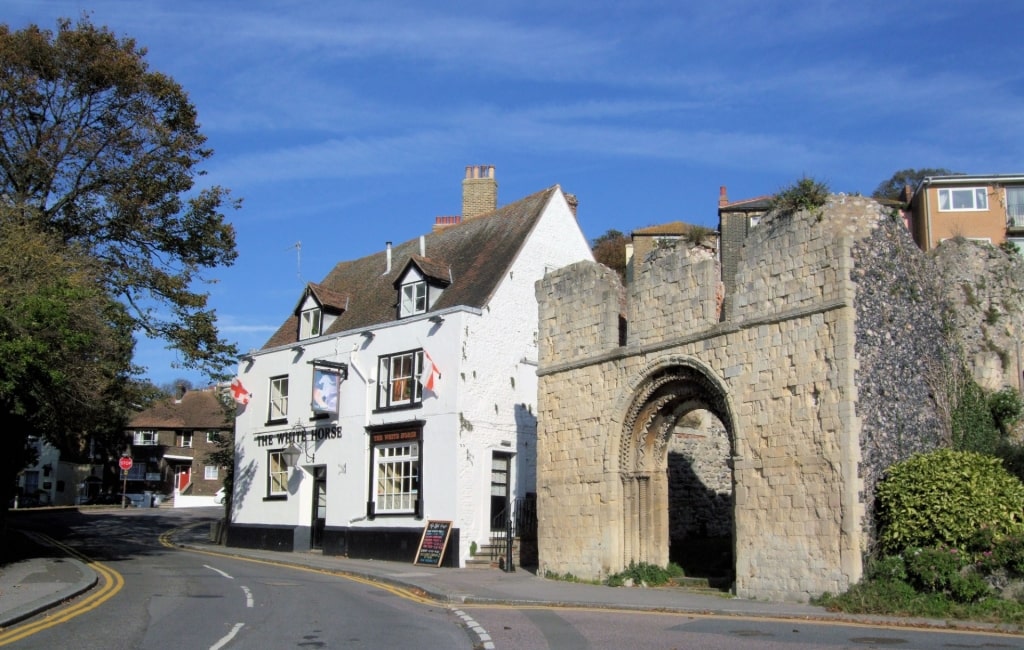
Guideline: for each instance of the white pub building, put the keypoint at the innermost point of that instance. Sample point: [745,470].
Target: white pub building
[403,388]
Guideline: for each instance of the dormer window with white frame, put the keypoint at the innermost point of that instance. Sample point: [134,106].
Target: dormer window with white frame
[413,299]
[310,321]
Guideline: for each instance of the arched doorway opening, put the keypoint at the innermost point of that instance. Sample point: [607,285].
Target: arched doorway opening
[676,473]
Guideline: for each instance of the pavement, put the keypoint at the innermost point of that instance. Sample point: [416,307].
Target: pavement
[32,586]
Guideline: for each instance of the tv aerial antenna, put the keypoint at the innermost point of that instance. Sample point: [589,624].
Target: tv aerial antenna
[297,247]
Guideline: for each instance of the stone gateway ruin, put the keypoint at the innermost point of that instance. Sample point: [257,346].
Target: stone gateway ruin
[737,425]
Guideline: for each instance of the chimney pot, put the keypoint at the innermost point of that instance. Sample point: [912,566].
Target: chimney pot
[387,269]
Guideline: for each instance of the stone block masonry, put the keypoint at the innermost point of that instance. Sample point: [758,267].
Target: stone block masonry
[781,362]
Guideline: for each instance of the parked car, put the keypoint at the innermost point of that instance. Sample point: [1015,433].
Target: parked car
[104,500]
[220,496]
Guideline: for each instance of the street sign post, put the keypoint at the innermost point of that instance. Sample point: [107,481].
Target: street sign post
[125,464]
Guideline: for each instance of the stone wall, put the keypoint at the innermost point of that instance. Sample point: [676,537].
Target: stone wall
[778,362]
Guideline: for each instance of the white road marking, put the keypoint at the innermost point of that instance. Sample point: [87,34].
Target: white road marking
[485,639]
[227,638]
[218,571]
[248,596]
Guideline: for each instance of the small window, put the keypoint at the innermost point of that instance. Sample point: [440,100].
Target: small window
[963,198]
[277,473]
[414,298]
[310,323]
[397,477]
[211,473]
[185,440]
[398,380]
[144,438]
[278,398]
[213,437]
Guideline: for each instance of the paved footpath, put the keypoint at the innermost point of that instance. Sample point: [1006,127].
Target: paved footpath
[29,587]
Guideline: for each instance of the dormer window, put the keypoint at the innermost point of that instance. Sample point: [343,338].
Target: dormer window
[310,323]
[414,298]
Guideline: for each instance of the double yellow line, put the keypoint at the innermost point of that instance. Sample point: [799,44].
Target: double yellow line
[112,583]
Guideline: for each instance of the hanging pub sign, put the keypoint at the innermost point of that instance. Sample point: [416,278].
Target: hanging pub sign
[326,383]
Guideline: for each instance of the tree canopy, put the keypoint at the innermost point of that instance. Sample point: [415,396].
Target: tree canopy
[103,153]
[65,348]
[893,187]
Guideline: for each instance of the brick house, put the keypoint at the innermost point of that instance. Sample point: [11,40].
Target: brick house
[169,443]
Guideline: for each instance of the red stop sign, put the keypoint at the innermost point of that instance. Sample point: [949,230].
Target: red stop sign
[125,463]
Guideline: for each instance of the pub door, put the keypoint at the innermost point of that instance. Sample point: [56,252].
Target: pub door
[501,468]
[319,506]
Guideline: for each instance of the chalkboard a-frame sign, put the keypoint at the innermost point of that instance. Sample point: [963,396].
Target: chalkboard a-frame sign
[433,543]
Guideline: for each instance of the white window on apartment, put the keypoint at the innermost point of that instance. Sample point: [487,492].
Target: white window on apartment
[398,380]
[963,198]
[414,299]
[211,472]
[397,477]
[278,398]
[185,439]
[213,437]
[144,438]
[277,473]
[1015,207]
[310,322]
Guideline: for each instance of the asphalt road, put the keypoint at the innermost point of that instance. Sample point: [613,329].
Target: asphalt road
[177,599]
[162,597]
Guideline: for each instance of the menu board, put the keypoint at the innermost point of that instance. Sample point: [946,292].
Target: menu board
[433,542]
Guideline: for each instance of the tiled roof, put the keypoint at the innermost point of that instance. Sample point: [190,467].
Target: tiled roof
[331,301]
[756,203]
[475,254]
[434,269]
[671,228]
[198,409]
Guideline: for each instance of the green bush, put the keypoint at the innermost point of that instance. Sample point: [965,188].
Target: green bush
[1006,407]
[933,569]
[642,573]
[943,498]
[805,194]
[973,426]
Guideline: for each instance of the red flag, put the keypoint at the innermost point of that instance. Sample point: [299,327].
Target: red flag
[238,392]
[430,376]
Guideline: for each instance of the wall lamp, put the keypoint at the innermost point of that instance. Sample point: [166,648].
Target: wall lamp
[368,335]
[436,319]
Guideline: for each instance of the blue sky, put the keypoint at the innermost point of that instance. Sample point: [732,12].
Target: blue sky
[344,125]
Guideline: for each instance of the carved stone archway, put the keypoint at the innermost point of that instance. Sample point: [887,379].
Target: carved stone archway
[661,399]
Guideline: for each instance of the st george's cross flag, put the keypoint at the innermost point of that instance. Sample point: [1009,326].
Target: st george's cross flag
[430,377]
[239,393]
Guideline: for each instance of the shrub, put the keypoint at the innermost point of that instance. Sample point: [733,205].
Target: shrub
[645,574]
[943,498]
[890,567]
[1006,407]
[805,194]
[972,424]
[933,569]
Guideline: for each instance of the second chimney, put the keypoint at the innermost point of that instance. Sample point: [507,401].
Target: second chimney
[479,191]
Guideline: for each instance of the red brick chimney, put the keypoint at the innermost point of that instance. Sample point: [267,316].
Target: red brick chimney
[723,197]
[479,191]
[440,223]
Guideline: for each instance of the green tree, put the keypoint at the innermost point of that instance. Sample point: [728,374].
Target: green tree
[65,348]
[610,249]
[103,152]
[893,188]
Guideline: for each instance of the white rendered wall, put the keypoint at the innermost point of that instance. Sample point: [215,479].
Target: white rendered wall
[495,379]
